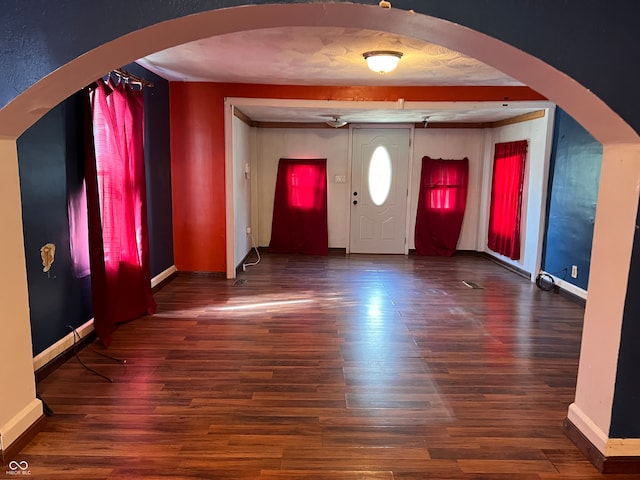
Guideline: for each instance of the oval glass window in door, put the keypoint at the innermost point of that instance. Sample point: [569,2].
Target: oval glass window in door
[380,175]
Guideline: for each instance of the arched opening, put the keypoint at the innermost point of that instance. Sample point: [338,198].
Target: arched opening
[617,201]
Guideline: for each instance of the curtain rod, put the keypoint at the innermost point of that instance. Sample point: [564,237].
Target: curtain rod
[130,77]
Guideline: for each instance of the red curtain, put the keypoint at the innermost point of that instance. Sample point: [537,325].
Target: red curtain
[506,198]
[116,200]
[299,223]
[441,203]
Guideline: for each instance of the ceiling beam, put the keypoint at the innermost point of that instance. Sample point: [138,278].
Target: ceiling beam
[525,117]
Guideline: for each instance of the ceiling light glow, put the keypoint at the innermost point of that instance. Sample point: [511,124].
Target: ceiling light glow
[382,61]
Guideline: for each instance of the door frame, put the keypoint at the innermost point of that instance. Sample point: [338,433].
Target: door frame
[379,126]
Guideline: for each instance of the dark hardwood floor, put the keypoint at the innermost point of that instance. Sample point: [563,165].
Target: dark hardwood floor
[338,367]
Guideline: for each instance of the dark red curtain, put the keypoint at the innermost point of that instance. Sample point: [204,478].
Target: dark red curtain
[299,223]
[116,201]
[506,198]
[441,203]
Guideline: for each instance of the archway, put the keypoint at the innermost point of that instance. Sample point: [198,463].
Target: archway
[617,206]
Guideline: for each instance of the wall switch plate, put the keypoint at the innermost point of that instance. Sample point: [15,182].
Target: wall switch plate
[340,179]
[574,271]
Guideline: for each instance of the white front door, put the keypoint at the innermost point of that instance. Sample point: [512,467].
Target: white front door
[379,171]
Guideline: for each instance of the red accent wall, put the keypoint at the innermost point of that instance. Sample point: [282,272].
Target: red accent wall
[197,176]
[197,151]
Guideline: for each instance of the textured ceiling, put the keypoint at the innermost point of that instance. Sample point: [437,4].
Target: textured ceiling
[317,56]
[331,56]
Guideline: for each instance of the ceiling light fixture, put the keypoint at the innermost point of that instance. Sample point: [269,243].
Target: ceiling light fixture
[335,122]
[382,61]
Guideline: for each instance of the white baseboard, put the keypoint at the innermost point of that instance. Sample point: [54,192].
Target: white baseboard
[155,281]
[609,447]
[569,287]
[61,346]
[11,431]
[66,342]
[589,429]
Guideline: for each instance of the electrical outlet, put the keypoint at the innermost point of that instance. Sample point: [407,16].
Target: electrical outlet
[248,230]
[574,271]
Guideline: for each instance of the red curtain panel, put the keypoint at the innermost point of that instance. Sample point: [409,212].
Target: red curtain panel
[299,223]
[441,204]
[506,198]
[116,198]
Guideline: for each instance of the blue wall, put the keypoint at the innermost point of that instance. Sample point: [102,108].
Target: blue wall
[157,158]
[50,161]
[576,158]
[625,422]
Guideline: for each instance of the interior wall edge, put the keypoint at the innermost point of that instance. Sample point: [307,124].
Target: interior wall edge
[20,423]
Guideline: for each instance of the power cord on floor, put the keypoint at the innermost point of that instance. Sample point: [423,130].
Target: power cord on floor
[251,264]
[76,335]
[546,281]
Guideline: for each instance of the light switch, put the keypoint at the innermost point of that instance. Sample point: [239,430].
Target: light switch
[340,179]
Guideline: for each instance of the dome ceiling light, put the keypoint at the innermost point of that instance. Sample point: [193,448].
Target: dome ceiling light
[382,61]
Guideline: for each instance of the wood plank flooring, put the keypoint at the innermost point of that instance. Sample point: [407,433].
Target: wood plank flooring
[338,367]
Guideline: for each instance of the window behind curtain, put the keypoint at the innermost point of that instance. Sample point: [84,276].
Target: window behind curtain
[441,204]
[299,223]
[116,198]
[506,198]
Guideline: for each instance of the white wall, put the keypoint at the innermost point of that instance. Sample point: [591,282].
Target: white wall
[475,144]
[275,143]
[241,189]
[538,134]
[272,144]
[450,144]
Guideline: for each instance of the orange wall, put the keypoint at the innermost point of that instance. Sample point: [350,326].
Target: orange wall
[197,151]
[197,177]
